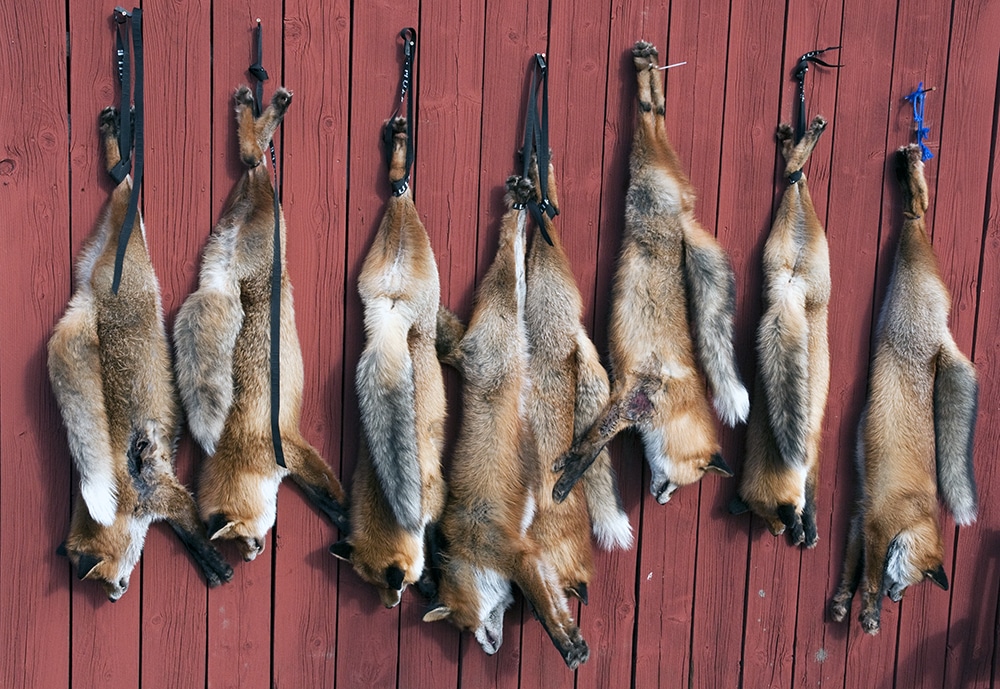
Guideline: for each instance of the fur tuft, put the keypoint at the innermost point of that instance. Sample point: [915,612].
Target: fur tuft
[956,395]
[711,288]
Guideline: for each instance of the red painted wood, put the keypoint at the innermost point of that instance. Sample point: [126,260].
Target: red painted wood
[961,200]
[239,613]
[35,471]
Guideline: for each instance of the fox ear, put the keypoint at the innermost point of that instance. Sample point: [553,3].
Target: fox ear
[394,577]
[342,550]
[61,550]
[86,564]
[719,466]
[938,576]
[219,525]
[438,612]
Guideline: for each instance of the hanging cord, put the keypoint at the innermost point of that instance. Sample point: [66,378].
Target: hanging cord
[799,73]
[536,139]
[258,72]
[126,141]
[409,36]
[917,99]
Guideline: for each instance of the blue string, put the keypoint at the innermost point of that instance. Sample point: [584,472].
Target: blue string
[917,98]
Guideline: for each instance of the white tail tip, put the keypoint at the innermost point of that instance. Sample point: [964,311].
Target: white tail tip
[613,533]
[100,495]
[732,405]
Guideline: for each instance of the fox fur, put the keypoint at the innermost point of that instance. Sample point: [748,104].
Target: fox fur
[673,299]
[918,422]
[569,388]
[222,340]
[398,488]
[793,355]
[109,365]
[488,519]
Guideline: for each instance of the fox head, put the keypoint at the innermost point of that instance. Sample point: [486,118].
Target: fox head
[105,554]
[247,534]
[389,576]
[474,600]
[682,472]
[915,554]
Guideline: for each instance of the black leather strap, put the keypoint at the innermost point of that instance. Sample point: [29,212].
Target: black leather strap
[409,36]
[801,67]
[258,72]
[125,129]
[536,139]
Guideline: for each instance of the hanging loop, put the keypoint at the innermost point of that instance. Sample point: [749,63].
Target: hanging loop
[799,73]
[409,36]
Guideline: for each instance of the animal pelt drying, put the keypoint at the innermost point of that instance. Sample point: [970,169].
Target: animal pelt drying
[222,341]
[669,271]
[793,357]
[919,421]
[495,472]
[398,490]
[569,387]
[109,365]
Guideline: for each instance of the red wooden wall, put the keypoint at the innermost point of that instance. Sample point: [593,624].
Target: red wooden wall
[704,599]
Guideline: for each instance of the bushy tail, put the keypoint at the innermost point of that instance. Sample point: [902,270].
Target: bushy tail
[75,372]
[956,395]
[386,395]
[711,288]
[608,519]
[204,337]
[783,360]
[450,331]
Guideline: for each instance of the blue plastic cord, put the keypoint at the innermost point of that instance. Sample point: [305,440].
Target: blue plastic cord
[917,98]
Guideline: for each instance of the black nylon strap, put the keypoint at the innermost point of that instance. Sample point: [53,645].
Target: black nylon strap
[409,36]
[133,201]
[122,50]
[258,72]
[801,67]
[536,138]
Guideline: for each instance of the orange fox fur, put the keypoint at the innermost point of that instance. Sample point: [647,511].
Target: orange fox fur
[398,490]
[109,365]
[488,518]
[222,340]
[919,421]
[793,377]
[668,266]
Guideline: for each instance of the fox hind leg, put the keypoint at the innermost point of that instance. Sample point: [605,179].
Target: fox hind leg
[317,481]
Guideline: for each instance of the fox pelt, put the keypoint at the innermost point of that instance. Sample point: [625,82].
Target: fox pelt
[918,424]
[398,491]
[488,518]
[109,365]
[673,298]
[793,359]
[222,340]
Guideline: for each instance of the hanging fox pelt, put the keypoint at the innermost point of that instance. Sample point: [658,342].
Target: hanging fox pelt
[398,491]
[669,267]
[222,339]
[918,423]
[793,355]
[109,364]
[569,387]
[495,472]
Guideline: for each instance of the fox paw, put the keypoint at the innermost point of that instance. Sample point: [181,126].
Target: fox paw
[912,154]
[817,125]
[838,609]
[108,121]
[520,189]
[398,125]
[244,96]
[577,651]
[644,55]
[785,132]
[870,622]
[281,99]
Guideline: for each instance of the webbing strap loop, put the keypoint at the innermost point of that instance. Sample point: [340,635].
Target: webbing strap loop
[536,139]
[409,36]
[917,99]
[126,141]
[799,73]
[258,72]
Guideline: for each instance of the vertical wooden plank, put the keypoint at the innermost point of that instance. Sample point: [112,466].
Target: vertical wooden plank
[967,163]
[314,194]
[368,655]
[35,471]
[923,616]
[239,613]
[105,637]
[177,213]
[744,217]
